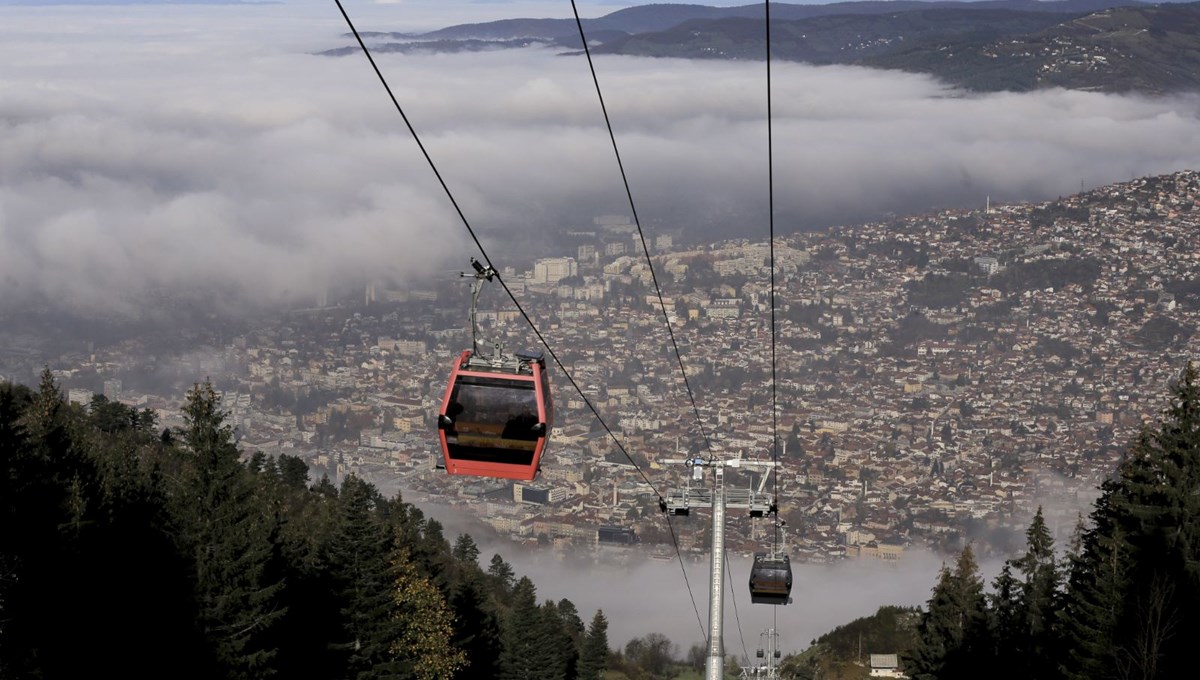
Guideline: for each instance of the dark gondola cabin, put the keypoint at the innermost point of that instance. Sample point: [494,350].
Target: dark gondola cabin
[770,579]
[495,419]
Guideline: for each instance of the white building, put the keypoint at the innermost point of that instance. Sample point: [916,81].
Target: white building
[79,395]
[989,265]
[406,347]
[886,666]
[615,248]
[553,270]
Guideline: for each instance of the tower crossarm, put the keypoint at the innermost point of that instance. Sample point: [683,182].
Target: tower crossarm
[680,501]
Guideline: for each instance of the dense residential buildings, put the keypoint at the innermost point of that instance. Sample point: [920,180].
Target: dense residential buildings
[938,377]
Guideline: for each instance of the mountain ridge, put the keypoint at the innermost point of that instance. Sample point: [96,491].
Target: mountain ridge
[999,45]
[660,17]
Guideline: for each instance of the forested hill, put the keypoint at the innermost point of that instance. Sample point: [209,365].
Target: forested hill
[661,17]
[132,553]
[984,46]
[1120,600]
[1150,49]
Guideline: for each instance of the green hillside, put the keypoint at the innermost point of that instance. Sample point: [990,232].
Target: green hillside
[1154,50]
[837,39]
[1003,45]
[1149,49]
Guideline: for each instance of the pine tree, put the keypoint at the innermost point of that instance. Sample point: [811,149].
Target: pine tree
[171,558]
[465,549]
[434,534]
[360,557]
[594,658]
[557,648]
[573,626]
[90,537]
[307,635]
[13,484]
[1170,603]
[525,655]
[1159,511]
[56,499]
[1092,606]
[951,634]
[293,472]
[138,579]
[1036,644]
[501,580]
[435,557]
[1133,605]
[231,538]
[257,462]
[1004,622]
[1022,631]
[476,628]
[325,487]
[502,574]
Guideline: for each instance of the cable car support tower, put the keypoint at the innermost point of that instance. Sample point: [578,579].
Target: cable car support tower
[768,666]
[719,498]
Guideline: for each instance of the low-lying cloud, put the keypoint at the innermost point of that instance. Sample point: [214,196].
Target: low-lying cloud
[652,597]
[640,596]
[149,152]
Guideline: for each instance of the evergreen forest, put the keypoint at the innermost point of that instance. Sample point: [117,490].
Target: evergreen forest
[130,552]
[1120,601]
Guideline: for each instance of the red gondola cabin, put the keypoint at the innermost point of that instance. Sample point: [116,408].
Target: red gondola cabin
[494,420]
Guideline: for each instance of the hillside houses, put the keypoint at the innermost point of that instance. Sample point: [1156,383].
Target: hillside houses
[938,377]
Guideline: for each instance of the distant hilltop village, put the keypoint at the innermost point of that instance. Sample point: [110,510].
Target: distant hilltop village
[939,376]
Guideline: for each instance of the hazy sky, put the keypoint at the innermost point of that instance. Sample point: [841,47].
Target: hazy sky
[155,149]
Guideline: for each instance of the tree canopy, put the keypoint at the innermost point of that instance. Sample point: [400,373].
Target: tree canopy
[1122,601]
[136,554]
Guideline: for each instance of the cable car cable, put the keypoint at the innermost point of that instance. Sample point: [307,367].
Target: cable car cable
[771,222]
[658,289]
[686,582]
[420,145]
[771,241]
[641,234]
[653,276]
[524,314]
[483,251]
[733,595]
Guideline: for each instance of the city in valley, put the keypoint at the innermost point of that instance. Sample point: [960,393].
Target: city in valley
[938,377]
